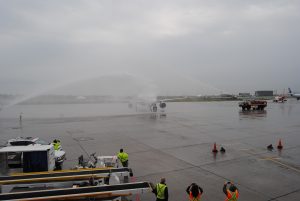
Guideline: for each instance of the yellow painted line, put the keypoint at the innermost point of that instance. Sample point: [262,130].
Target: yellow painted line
[249,151]
[78,196]
[53,179]
[59,171]
[275,160]
[268,158]
[285,165]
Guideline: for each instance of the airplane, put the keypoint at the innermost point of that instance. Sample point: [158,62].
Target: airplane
[148,105]
[293,94]
[162,105]
[152,106]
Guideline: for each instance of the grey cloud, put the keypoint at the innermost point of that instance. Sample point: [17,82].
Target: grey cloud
[211,46]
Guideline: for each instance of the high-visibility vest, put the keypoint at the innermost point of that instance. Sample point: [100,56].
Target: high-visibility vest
[56,145]
[232,196]
[160,189]
[123,156]
[192,198]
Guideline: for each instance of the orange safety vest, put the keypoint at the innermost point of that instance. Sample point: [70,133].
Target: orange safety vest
[232,196]
[192,198]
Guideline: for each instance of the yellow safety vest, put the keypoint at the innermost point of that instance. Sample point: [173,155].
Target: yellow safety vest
[56,146]
[123,156]
[160,189]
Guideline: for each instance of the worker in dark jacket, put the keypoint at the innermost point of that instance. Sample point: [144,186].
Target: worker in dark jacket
[194,191]
[232,193]
[161,191]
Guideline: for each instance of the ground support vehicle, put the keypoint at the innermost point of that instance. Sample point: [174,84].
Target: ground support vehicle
[15,159]
[63,178]
[106,192]
[253,104]
[30,158]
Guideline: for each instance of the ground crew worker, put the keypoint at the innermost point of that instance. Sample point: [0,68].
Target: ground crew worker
[154,108]
[123,157]
[194,192]
[161,191]
[56,144]
[232,193]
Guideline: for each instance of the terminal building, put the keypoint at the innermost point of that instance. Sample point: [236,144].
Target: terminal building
[264,93]
[244,94]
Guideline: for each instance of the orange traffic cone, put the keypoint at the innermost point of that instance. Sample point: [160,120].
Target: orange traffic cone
[215,148]
[279,145]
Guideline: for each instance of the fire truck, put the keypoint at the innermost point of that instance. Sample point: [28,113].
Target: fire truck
[253,104]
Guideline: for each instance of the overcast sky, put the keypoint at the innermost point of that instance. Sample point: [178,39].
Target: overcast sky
[172,47]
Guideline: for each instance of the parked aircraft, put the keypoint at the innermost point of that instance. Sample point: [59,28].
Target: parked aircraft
[293,94]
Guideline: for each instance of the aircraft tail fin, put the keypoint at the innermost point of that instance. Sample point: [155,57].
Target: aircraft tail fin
[290,91]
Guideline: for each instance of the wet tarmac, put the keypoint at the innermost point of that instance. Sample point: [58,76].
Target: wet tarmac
[178,146]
